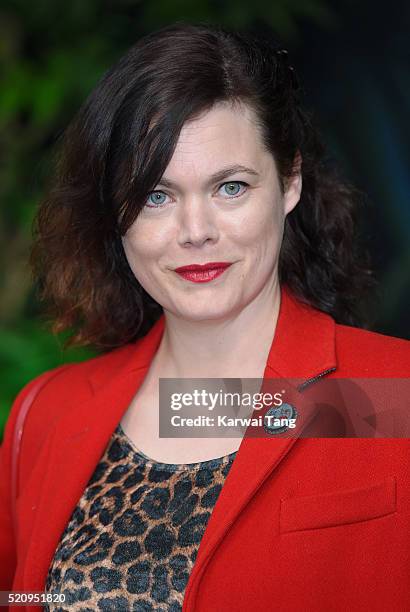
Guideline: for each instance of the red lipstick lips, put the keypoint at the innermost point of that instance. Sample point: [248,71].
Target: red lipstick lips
[203,273]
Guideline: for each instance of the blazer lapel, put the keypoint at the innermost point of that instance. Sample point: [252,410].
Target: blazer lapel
[303,347]
[76,444]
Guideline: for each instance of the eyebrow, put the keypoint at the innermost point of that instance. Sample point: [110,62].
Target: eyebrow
[216,177]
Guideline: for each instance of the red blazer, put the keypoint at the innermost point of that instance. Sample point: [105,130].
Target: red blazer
[313,524]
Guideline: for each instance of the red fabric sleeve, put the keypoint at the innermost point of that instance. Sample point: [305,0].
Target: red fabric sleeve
[8,555]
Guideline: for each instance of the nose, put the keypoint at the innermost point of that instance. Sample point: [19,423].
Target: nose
[197,221]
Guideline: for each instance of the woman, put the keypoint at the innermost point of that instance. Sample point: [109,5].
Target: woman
[193,150]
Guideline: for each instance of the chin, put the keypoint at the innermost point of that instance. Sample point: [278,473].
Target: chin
[202,312]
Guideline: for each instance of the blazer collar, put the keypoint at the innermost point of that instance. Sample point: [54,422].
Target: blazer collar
[303,345]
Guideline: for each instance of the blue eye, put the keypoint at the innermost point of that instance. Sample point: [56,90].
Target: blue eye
[156,199]
[233,188]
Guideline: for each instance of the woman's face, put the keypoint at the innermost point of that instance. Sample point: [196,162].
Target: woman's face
[219,200]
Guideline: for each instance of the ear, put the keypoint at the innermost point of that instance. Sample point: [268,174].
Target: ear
[293,187]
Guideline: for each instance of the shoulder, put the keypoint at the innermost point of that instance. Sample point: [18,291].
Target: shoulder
[77,377]
[46,397]
[370,353]
[55,388]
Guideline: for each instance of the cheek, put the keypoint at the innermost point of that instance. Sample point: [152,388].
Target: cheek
[139,253]
[142,244]
[131,250]
[262,234]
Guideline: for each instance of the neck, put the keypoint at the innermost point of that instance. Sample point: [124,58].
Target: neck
[236,346]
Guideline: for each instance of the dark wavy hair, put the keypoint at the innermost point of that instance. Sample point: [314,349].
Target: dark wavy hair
[116,149]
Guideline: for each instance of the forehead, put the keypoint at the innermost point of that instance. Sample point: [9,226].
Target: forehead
[222,136]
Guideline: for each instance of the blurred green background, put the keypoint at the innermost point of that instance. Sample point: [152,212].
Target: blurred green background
[352,59]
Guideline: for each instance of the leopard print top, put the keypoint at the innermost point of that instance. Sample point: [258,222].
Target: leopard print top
[132,540]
